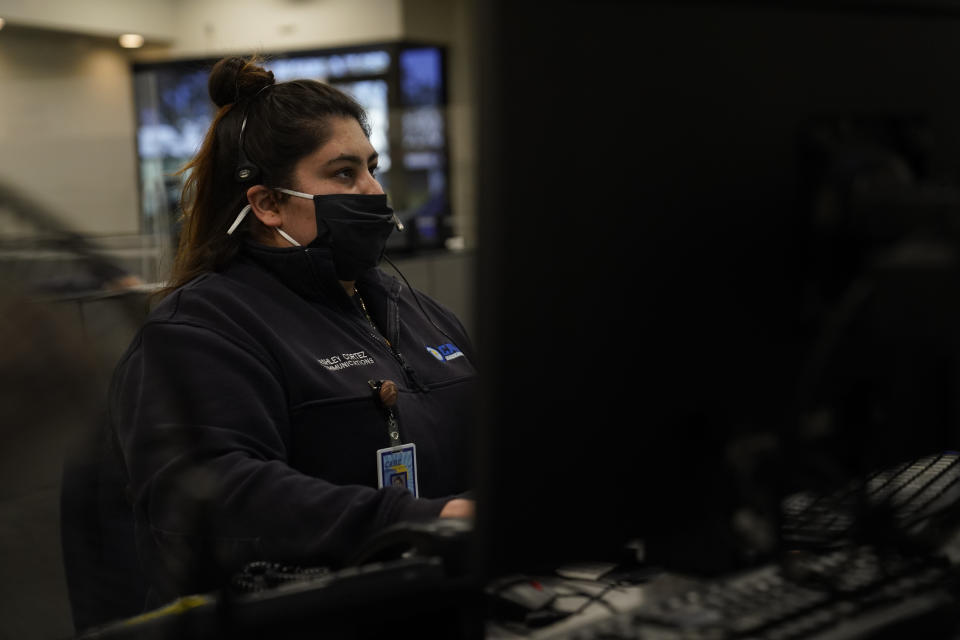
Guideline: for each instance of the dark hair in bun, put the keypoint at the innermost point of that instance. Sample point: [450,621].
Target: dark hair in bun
[284,123]
[233,79]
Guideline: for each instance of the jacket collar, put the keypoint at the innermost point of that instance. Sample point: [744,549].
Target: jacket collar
[309,272]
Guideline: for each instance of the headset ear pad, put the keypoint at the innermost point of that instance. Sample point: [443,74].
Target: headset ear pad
[246,170]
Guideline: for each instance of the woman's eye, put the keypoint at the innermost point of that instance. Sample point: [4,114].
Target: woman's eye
[350,173]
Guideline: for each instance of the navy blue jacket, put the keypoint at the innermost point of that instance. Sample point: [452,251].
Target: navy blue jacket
[248,429]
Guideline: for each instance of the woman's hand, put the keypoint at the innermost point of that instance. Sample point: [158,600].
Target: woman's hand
[458,508]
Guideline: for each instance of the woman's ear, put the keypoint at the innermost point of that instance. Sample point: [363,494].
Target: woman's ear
[264,205]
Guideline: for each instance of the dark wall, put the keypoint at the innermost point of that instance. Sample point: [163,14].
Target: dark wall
[646,242]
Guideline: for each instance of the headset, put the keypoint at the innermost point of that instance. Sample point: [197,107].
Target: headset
[246,170]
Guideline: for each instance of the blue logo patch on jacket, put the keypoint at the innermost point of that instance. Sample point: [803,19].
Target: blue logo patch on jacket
[445,352]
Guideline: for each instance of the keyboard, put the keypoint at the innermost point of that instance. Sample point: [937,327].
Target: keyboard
[916,500]
[878,559]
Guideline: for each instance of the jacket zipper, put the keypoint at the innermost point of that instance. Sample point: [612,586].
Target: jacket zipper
[409,374]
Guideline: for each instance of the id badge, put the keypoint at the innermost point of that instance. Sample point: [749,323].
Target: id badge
[397,467]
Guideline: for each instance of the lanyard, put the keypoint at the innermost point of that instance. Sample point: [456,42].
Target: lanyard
[385,396]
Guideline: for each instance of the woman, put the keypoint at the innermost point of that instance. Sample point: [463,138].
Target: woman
[267,408]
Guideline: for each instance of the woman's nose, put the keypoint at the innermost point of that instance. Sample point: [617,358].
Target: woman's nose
[370,186]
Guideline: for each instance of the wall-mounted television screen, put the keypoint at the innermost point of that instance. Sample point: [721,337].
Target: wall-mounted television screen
[401,85]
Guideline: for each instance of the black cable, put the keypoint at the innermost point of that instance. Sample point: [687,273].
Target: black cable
[597,597]
[550,615]
[417,298]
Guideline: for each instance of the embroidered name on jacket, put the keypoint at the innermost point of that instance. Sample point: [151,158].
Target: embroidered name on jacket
[445,352]
[346,360]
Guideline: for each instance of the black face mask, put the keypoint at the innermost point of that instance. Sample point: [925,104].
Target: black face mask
[355,227]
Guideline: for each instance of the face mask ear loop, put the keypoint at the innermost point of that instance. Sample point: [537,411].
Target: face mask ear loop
[286,236]
[299,194]
[240,217]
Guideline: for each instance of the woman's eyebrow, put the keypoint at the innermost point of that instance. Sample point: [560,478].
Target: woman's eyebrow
[352,159]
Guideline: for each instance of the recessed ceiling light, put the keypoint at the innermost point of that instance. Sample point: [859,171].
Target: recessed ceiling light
[131,40]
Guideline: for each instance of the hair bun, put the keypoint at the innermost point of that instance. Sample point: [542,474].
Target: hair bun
[235,78]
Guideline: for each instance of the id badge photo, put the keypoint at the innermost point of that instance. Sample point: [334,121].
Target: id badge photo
[397,467]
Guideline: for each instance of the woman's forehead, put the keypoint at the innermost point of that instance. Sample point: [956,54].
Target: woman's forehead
[346,138]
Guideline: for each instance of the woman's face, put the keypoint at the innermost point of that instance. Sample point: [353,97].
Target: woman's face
[347,163]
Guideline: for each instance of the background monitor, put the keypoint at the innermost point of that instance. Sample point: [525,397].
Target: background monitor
[401,85]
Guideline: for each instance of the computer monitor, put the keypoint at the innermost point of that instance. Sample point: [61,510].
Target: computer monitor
[644,318]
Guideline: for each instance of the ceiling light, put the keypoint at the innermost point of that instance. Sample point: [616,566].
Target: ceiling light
[131,40]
